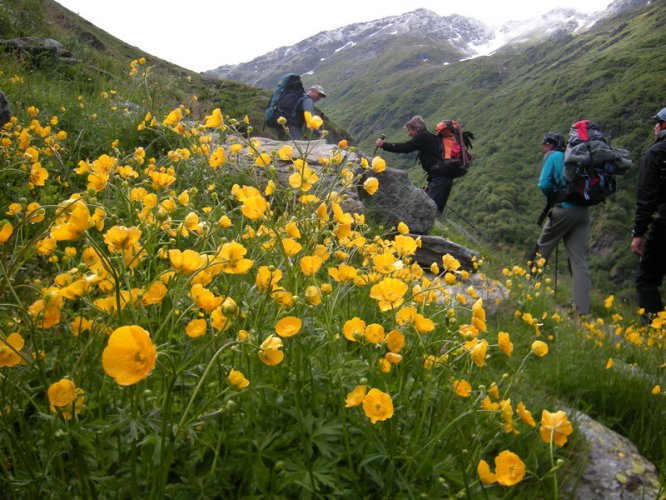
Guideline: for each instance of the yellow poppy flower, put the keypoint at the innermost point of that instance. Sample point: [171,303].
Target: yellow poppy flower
[237,379]
[374,333]
[395,341]
[9,350]
[462,388]
[355,397]
[130,355]
[525,415]
[377,406]
[371,185]
[555,427]
[269,351]
[483,470]
[539,348]
[509,468]
[505,344]
[378,164]
[389,293]
[310,264]
[288,326]
[353,329]
[6,230]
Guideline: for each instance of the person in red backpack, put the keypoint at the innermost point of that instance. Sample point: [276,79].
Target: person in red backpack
[566,221]
[649,234]
[429,154]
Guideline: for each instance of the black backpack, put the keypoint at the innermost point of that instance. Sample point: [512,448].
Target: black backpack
[285,101]
[591,165]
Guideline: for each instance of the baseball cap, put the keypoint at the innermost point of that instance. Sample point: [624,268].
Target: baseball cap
[319,89]
[661,116]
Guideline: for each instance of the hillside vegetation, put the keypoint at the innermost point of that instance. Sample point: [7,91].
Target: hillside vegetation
[610,74]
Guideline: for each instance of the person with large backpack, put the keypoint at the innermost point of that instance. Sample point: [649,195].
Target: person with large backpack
[440,170]
[649,233]
[566,220]
[289,100]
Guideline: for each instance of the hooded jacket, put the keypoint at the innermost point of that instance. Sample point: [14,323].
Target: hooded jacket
[651,188]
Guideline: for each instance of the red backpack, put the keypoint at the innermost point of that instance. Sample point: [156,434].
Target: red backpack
[455,145]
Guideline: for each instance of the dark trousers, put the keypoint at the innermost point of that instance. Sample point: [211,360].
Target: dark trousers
[652,268]
[438,190]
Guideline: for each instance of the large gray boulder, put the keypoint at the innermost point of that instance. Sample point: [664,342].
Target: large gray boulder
[398,200]
[37,47]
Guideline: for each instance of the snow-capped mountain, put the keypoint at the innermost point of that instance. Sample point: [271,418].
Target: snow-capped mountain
[443,39]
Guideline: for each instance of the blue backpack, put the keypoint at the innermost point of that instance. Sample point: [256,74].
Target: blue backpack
[285,101]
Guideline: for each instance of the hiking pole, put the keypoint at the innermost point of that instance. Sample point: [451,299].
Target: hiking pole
[557,259]
[382,137]
[448,207]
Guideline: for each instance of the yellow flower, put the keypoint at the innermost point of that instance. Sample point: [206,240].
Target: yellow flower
[656,390]
[377,406]
[6,230]
[186,262]
[483,470]
[312,122]
[62,393]
[395,341]
[355,397]
[9,350]
[313,295]
[291,246]
[342,273]
[263,160]
[310,264]
[450,263]
[378,164]
[371,185]
[462,388]
[215,119]
[389,293]
[353,329]
[231,257]
[237,379]
[609,363]
[288,326]
[65,396]
[130,355]
[505,344]
[217,159]
[608,301]
[254,207]
[555,427]
[38,174]
[509,468]
[374,332]
[73,222]
[479,353]
[154,294]
[119,238]
[539,348]
[269,351]
[267,279]
[525,415]
[286,153]
[196,328]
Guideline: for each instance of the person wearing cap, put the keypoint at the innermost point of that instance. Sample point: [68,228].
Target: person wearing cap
[429,147]
[566,221]
[649,233]
[314,94]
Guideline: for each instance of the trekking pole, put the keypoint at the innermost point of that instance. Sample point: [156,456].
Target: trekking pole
[470,224]
[557,259]
[382,137]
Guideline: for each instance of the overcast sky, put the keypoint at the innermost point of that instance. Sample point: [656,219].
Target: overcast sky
[204,34]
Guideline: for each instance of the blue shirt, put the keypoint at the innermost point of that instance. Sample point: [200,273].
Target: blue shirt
[551,180]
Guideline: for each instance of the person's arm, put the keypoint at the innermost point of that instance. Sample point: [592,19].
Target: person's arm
[647,200]
[547,177]
[414,144]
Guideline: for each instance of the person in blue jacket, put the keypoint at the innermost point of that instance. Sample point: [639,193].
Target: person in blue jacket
[566,221]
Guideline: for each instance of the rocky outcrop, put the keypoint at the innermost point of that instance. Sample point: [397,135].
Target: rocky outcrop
[37,48]
[614,468]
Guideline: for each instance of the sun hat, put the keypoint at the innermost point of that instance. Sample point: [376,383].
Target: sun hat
[319,89]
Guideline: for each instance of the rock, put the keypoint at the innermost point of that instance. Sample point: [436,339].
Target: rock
[39,47]
[614,468]
[398,200]
[434,247]
[5,111]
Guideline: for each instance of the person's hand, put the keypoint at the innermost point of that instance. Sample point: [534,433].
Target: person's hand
[638,245]
[379,143]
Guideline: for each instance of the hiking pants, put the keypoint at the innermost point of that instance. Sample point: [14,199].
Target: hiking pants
[573,226]
[438,190]
[652,268]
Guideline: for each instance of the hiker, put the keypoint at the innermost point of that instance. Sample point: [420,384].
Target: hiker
[649,234]
[429,147]
[314,94]
[565,221]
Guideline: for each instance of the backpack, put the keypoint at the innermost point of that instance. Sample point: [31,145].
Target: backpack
[591,165]
[286,97]
[454,150]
